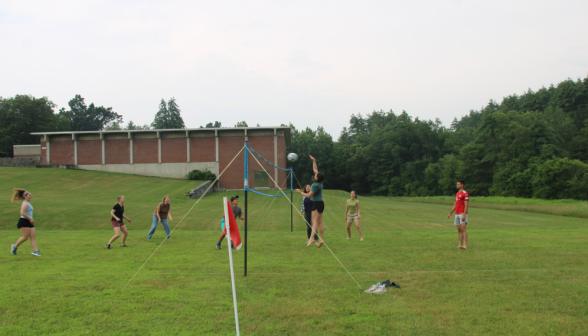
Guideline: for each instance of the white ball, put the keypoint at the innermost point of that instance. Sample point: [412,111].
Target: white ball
[292,157]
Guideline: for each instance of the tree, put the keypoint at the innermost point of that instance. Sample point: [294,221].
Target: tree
[22,114]
[132,126]
[168,116]
[241,124]
[217,124]
[88,118]
[113,127]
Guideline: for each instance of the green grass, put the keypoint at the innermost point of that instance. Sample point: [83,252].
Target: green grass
[564,207]
[524,272]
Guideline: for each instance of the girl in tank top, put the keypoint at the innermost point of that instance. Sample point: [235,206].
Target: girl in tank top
[352,214]
[25,224]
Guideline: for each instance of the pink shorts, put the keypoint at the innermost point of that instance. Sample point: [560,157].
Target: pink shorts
[116,224]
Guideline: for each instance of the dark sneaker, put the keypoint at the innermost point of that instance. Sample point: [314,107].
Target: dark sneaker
[13,250]
[218,246]
[123,246]
[107,246]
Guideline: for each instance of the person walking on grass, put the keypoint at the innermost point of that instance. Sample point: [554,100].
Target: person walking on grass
[318,206]
[352,214]
[25,224]
[161,214]
[462,200]
[237,212]
[307,210]
[117,214]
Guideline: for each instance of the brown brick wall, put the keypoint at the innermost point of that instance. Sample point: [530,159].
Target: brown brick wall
[43,153]
[90,152]
[202,150]
[228,148]
[264,145]
[62,152]
[174,150]
[145,151]
[117,151]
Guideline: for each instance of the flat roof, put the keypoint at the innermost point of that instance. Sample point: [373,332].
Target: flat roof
[286,130]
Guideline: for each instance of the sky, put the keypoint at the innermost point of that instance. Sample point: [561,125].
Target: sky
[309,63]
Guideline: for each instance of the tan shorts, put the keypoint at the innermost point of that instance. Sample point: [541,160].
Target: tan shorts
[352,217]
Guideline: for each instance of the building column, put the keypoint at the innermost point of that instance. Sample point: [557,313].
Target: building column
[74,137]
[276,157]
[217,149]
[188,146]
[159,145]
[103,148]
[131,146]
[48,144]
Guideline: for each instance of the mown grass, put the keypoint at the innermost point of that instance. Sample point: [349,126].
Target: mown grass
[524,273]
[564,207]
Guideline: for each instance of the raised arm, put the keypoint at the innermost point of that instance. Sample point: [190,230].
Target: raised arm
[314,166]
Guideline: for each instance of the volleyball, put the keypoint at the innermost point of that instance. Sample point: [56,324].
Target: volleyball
[292,157]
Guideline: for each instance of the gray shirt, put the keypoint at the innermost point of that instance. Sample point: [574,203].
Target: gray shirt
[237,211]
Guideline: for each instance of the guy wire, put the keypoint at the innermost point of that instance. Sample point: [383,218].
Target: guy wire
[193,206]
[313,232]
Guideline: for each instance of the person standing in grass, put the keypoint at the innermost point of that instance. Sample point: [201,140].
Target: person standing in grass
[462,200]
[161,214]
[352,214]
[307,210]
[118,213]
[237,212]
[25,224]
[318,206]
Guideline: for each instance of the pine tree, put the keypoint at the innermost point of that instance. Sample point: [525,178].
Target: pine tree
[168,115]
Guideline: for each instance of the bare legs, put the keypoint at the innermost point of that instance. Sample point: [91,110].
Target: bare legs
[26,234]
[117,231]
[317,225]
[462,233]
[358,229]
[221,237]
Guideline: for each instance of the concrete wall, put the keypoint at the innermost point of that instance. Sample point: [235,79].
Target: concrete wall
[26,151]
[174,170]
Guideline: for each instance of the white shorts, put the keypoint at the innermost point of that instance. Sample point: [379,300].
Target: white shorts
[458,219]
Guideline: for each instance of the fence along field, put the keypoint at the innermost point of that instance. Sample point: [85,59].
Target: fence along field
[524,272]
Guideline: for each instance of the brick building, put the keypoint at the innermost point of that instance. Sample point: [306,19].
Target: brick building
[172,153]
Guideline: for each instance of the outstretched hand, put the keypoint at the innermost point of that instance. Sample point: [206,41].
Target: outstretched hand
[298,191]
[312,158]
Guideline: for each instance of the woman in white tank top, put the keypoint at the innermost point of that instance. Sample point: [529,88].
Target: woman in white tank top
[26,224]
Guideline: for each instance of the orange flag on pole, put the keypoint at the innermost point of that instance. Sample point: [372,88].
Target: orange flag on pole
[234,229]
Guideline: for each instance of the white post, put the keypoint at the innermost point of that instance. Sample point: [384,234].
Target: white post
[230,243]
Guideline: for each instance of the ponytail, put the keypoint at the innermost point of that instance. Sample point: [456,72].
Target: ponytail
[18,194]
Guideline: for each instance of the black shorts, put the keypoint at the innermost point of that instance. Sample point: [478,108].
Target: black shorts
[318,206]
[24,223]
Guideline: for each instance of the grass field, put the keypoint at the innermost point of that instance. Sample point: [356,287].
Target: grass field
[524,273]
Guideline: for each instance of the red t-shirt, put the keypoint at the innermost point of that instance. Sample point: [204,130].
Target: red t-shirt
[460,198]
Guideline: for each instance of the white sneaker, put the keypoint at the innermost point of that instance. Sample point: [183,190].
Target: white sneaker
[380,290]
[316,243]
[361,239]
[373,288]
[347,238]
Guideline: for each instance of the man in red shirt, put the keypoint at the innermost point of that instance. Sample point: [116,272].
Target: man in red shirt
[462,200]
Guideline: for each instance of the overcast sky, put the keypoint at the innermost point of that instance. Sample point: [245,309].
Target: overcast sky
[312,63]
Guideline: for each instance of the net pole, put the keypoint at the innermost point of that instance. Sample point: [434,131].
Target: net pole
[246,186]
[292,193]
[228,226]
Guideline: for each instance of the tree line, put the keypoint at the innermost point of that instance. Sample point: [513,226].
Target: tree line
[23,114]
[530,145]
